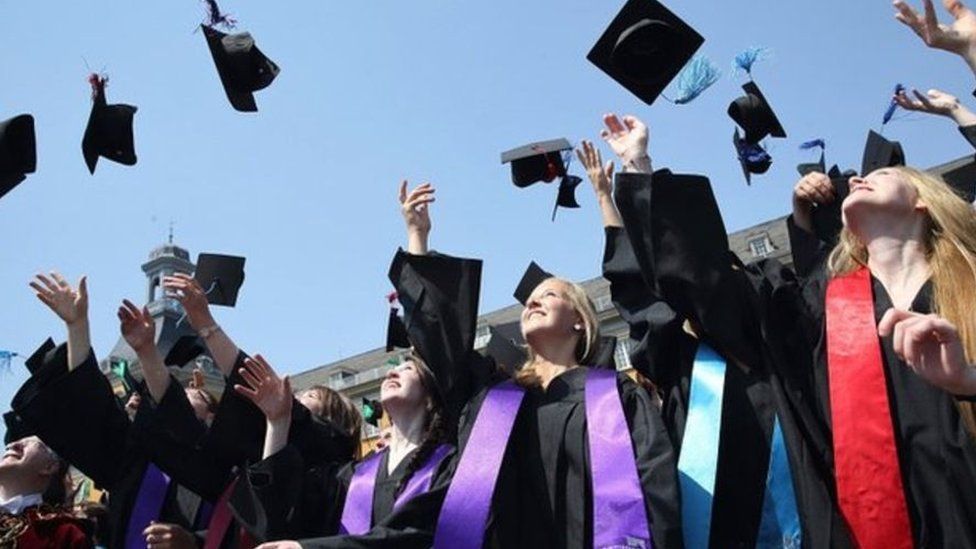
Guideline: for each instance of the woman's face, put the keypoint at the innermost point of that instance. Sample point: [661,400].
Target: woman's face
[312,399]
[402,386]
[883,190]
[548,311]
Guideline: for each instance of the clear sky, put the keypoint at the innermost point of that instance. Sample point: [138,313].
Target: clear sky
[372,92]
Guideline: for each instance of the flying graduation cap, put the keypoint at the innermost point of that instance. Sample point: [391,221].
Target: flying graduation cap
[242,68]
[545,161]
[753,113]
[396,329]
[221,277]
[18,151]
[645,47]
[109,130]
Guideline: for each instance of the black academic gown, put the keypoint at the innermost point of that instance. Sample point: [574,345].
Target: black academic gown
[542,497]
[936,454]
[680,244]
[78,416]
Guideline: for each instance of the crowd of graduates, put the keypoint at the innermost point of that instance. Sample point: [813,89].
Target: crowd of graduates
[825,404]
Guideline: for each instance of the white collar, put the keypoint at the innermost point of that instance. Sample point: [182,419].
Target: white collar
[18,503]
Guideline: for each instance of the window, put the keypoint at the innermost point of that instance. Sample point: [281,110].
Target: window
[761,246]
[621,356]
[602,303]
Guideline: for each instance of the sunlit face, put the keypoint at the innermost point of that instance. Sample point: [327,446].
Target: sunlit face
[402,386]
[312,399]
[884,189]
[200,403]
[549,311]
[28,456]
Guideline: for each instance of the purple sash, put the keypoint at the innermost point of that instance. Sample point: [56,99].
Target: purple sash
[619,514]
[461,524]
[420,480]
[357,513]
[149,503]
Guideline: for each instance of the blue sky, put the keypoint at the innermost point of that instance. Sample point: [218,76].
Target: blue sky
[372,92]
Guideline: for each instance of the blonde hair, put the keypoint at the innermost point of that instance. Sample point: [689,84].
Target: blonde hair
[587,345]
[950,247]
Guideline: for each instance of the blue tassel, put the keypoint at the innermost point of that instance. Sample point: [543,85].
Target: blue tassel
[697,76]
[892,107]
[745,60]
[813,144]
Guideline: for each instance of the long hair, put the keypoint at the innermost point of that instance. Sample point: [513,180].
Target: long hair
[340,412]
[586,346]
[950,247]
[435,422]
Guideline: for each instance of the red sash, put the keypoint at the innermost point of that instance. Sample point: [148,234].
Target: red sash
[869,484]
[221,520]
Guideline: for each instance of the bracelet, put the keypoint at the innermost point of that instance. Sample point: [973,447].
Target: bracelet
[208,331]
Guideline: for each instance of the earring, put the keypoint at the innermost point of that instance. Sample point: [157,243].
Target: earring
[577,328]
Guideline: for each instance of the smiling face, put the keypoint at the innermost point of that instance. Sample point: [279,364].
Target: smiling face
[549,311]
[886,190]
[29,458]
[403,387]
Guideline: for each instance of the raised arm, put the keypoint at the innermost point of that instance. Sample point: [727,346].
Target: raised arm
[139,330]
[601,177]
[71,306]
[942,104]
[270,394]
[958,37]
[191,296]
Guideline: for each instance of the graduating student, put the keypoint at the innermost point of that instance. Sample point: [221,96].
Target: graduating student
[71,406]
[33,514]
[746,446]
[566,441]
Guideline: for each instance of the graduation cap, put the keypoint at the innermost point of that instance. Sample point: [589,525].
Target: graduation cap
[506,353]
[109,130]
[221,277]
[566,197]
[962,179]
[541,161]
[186,349]
[17,427]
[754,115]
[242,68]
[18,151]
[534,275]
[880,153]
[752,157]
[810,167]
[39,356]
[372,412]
[644,48]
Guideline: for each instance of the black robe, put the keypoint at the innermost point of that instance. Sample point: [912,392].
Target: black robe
[78,416]
[680,245]
[936,454]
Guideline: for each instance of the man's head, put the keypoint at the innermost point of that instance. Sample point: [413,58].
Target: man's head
[28,466]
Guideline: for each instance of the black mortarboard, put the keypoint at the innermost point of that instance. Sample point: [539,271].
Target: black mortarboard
[542,161]
[243,69]
[644,48]
[827,221]
[109,130]
[17,428]
[534,275]
[18,151]
[396,332]
[38,357]
[880,153]
[810,167]
[185,349]
[962,179]
[752,157]
[506,354]
[372,412]
[754,114]
[567,193]
[221,277]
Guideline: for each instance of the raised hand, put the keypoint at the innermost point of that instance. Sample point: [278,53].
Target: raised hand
[137,326]
[270,393]
[959,37]
[415,208]
[814,188]
[69,304]
[601,176]
[185,289]
[931,346]
[628,139]
[939,103]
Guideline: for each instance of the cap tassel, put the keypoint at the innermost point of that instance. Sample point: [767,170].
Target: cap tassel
[745,60]
[816,143]
[893,105]
[216,17]
[697,76]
